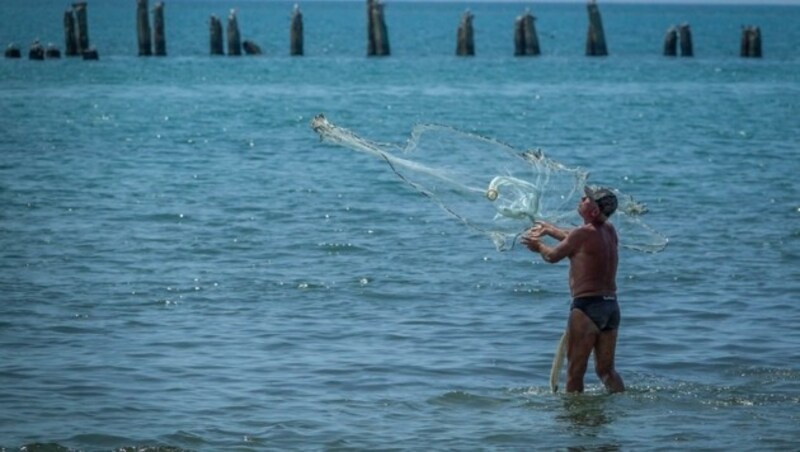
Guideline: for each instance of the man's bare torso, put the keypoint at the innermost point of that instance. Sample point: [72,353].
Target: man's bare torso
[593,268]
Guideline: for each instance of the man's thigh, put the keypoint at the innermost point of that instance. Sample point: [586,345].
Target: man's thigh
[582,336]
[605,349]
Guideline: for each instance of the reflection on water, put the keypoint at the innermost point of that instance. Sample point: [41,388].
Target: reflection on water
[587,416]
[582,410]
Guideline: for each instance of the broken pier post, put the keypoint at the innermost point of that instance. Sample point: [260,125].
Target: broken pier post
[671,42]
[52,52]
[159,36]
[82,29]
[526,41]
[143,28]
[595,37]
[36,51]
[377,33]
[751,42]
[465,36]
[251,48]
[90,54]
[70,35]
[296,32]
[234,37]
[215,32]
[687,49]
[12,51]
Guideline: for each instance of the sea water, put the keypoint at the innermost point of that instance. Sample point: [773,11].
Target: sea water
[183,265]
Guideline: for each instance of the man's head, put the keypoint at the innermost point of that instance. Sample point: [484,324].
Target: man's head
[605,199]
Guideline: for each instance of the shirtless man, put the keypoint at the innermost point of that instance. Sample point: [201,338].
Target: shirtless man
[594,315]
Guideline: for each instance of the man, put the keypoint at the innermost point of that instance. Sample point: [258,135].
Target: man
[594,315]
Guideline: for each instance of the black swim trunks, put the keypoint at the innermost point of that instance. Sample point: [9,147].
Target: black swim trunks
[604,311]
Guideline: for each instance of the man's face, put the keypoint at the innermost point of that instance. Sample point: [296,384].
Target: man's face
[586,207]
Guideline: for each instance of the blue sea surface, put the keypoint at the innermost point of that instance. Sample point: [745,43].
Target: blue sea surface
[184,265]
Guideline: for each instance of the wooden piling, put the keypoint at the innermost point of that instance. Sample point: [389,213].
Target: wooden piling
[52,52]
[251,48]
[36,51]
[370,30]
[671,42]
[465,42]
[465,36]
[526,40]
[215,32]
[70,35]
[143,28]
[234,37]
[755,43]
[381,32]
[81,17]
[159,36]
[751,42]
[744,44]
[12,51]
[377,33]
[519,37]
[595,37]
[296,32]
[91,54]
[687,49]
[531,37]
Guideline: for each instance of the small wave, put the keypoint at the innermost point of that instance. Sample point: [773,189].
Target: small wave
[466,399]
[340,248]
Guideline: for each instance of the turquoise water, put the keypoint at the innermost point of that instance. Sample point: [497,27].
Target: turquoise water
[183,264]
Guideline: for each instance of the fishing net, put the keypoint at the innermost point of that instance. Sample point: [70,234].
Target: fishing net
[491,187]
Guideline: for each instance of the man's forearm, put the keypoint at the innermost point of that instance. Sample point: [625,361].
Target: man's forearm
[545,251]
[557,233]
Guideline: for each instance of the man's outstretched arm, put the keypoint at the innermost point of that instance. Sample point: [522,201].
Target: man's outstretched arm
[564,248]
[551,230]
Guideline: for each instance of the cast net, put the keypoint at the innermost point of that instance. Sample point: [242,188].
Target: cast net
[491,187]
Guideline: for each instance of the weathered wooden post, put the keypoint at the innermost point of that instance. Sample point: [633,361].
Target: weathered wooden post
[36,51]
[595,37]
[671,42]
[755,43]
[215,29]
[143,28]
[370,29]
[12,51]
[751,42]
[519,37]
[531,37]
[377,33]
[70,39]
[296,32]
[251,48]
[159,37]
[234,38]
[83,26]
[52,51]
[91,54]
[744,43]
[687,48]
[465,36]
[381,32]
[526,41]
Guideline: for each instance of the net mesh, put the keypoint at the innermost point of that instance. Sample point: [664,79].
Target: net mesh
[491,187]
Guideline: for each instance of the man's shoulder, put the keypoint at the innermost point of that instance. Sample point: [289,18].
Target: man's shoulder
[582,232]
[585,229]
[591,233]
